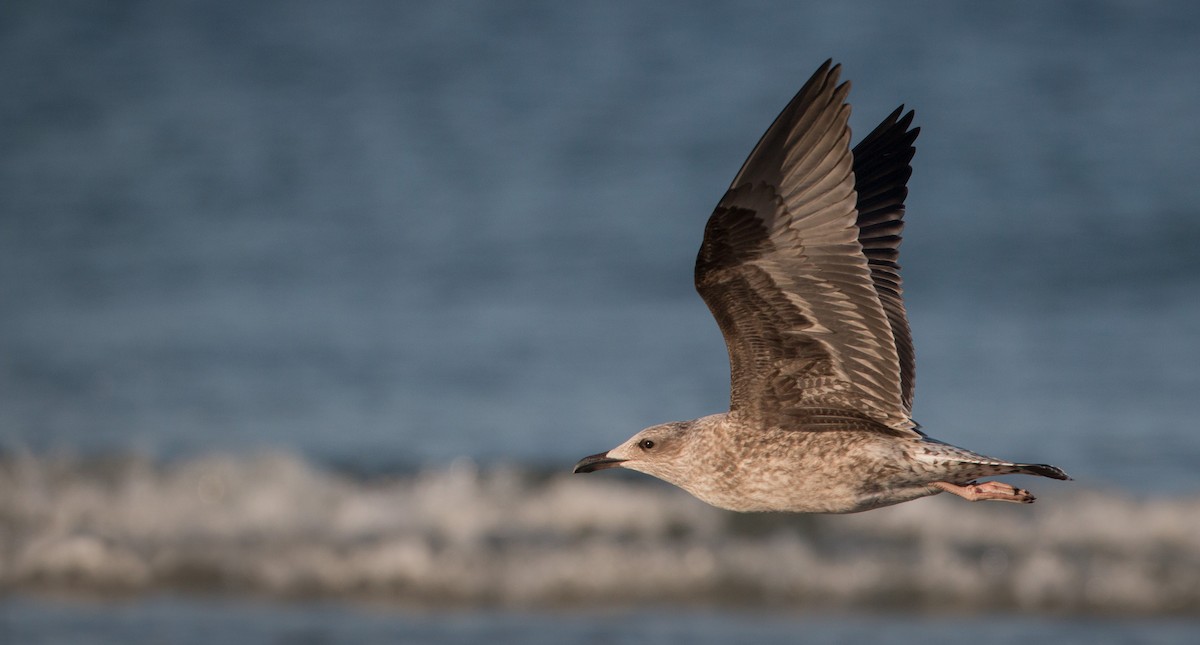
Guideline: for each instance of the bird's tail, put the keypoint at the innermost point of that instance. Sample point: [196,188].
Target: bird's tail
[1042,470]
[969,465]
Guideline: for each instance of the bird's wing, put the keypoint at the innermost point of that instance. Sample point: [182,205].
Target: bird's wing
[784,274]
[881,171]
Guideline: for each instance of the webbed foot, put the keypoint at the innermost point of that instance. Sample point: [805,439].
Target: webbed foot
[990,490]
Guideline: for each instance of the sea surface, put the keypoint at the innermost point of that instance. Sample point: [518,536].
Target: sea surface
[307,308]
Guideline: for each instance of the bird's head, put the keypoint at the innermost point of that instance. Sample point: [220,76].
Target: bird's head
[658,450]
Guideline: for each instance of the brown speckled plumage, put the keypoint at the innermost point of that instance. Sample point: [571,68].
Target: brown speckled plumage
[799,268]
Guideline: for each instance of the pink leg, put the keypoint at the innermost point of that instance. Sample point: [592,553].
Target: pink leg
[976,492]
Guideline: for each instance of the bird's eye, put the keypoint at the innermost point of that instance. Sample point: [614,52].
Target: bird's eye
[646,444]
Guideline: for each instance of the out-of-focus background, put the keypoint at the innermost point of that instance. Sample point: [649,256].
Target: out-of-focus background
[309,307]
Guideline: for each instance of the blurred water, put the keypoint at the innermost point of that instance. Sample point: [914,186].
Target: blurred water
[384,235]
[246,623]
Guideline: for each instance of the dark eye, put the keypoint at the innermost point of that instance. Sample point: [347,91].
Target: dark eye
[646,444]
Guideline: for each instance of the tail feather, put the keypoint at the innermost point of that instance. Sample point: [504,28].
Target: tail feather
[1044,470]
[961,465]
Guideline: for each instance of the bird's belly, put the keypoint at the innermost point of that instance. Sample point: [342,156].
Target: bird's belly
[817,495]
[825,473]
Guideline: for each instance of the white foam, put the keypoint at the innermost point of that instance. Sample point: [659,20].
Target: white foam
[275,524]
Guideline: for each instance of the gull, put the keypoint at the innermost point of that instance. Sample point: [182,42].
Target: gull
[799,268]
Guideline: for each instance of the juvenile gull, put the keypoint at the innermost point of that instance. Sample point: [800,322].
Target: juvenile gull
[798,266]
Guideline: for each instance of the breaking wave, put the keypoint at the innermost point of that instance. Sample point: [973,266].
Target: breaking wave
[505,536]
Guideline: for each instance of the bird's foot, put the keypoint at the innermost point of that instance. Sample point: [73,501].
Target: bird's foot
[977,492]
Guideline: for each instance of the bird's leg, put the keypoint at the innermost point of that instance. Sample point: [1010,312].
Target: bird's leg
[976,492]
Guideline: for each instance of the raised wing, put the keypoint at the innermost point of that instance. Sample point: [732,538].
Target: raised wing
[784,274]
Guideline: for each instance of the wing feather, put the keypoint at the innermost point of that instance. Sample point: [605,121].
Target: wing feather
[882,167]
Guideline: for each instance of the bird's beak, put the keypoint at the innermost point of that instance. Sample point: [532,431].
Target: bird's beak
[595,462]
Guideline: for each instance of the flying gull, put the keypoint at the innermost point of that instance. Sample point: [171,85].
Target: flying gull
[798,266]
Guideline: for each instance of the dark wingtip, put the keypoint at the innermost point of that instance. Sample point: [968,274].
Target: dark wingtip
[832,71]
